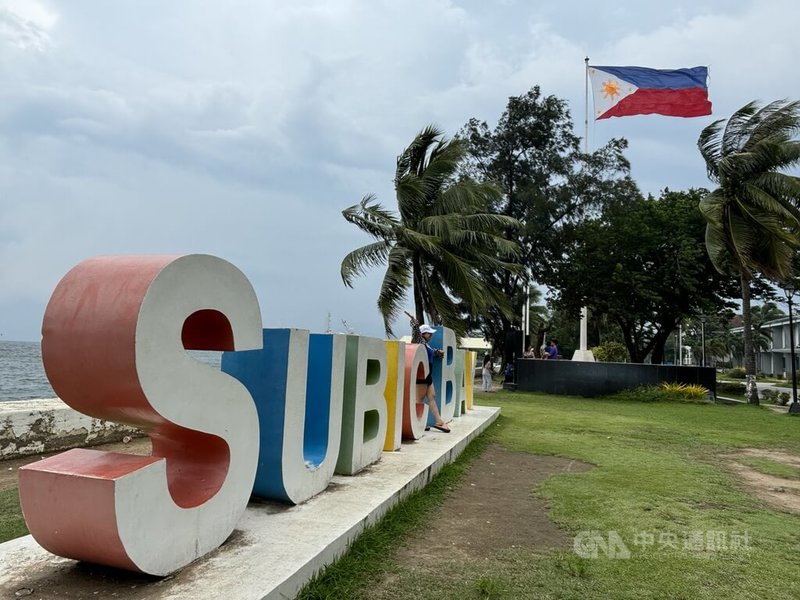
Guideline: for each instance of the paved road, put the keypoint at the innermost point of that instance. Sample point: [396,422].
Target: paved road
[762,385]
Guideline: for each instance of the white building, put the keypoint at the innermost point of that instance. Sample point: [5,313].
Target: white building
[776,359]
[479,345]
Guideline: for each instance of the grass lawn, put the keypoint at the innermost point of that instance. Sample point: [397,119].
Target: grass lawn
[11,523]
[772,467]
[660,485]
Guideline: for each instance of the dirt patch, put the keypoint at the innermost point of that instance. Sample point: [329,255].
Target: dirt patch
[493,508]
[780,492]
[9,468]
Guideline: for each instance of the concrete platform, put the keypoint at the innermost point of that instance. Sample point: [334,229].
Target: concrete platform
[274,550]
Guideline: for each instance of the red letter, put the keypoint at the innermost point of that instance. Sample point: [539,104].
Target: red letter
[115,335]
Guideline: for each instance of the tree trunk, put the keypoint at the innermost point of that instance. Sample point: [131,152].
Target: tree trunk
[630,342]
[751,389]
[540,331]
[659,343]
[419,307]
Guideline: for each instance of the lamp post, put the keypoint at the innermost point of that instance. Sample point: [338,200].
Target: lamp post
[789,290]
[703,336]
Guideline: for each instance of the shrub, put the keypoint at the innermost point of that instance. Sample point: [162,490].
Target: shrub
[736,373]
[686,391]
[610,352]
[783,398]
[770,396]
[666,392]
[730,387]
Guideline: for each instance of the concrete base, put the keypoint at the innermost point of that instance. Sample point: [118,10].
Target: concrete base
[275,548]
[590,379]
[583,355]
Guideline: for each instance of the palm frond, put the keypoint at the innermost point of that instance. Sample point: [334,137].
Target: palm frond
[710,147]
[440,239]
[396,281]
[736,130]
[360,260]
[778,117]
[783,186]
[772,205]
[448,312]
[467,197]
[371,217]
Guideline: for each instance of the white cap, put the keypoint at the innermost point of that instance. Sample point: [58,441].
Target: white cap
[426,329]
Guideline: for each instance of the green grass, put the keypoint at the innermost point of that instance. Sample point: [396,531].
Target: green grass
[771,467]
[659,478]
[12,524]
[372,551]
[659,471]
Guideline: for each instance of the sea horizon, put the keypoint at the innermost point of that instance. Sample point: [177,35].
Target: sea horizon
[22,375]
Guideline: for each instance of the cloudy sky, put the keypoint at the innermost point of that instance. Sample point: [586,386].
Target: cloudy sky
[243,128]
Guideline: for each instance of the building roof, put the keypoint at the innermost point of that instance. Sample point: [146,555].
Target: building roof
[468,343]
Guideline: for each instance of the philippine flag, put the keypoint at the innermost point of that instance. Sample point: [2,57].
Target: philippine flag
[626,91]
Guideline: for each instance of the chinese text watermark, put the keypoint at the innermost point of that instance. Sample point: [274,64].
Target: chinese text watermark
[610,544]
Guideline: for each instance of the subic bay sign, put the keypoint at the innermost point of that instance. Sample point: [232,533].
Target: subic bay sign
[286,411]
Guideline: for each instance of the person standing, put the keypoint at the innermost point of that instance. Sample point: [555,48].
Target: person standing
[487,373]
[425,388]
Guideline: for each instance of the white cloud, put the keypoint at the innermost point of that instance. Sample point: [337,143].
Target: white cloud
[244,128]
[25,25]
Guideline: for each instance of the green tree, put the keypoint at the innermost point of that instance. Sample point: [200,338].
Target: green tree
[760,315]
[752,219]
[640,263]
[610,352]
[533,156]
[439,242]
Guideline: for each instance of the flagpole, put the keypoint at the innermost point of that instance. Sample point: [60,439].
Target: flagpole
[586,106]
[583,353]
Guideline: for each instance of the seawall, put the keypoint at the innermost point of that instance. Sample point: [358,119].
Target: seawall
[37,426]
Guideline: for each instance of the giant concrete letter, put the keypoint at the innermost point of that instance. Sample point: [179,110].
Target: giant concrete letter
[297,383]
[364,414]
[460,384]
[415,414]
[444,373]
[115,335]
[394,393]
[469,377]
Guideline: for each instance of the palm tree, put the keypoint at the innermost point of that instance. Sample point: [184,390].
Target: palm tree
[442,236]
[752,221]
[760,315]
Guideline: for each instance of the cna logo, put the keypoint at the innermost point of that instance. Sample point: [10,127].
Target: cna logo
[590,544]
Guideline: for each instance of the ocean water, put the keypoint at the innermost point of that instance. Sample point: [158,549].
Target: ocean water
[22,373]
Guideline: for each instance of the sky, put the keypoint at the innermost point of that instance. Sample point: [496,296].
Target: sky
[242,128]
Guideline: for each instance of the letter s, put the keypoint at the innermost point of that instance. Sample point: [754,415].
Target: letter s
[114,338]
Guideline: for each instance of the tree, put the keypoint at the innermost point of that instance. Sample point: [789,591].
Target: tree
[533,156]
[760,315]
[640,264]
[440,240]
[752,219]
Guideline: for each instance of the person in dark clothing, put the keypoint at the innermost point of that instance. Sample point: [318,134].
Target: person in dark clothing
[425,387]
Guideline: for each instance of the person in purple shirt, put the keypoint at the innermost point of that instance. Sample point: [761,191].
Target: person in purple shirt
[552,350]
